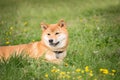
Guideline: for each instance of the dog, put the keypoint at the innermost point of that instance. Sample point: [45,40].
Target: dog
[53,44]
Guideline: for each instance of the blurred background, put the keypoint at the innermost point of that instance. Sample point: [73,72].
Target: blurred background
[94,36]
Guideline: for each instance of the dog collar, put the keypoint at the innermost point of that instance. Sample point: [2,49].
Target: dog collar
[58,53]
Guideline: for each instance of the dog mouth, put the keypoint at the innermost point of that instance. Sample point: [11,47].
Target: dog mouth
[54,44]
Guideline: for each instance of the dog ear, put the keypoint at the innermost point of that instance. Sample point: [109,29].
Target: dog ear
[62,23]
[44,26]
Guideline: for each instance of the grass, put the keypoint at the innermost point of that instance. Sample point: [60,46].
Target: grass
[94,38]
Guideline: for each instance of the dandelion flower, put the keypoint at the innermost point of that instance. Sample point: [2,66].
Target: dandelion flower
[55,70]
[112,74]
[77,70]
[7,42]
[46,75]
[104,71]
[62,73]
[11,28]
[91,74]
[79,77]
[25,23]
[68,72]
[113,71]
[83,71]
[67,76]
[66,64]
[33,40]
[87,69]
[101,69]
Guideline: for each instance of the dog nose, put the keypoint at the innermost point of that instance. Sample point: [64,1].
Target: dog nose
[51,40]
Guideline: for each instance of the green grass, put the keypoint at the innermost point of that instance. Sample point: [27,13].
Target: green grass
[94,38]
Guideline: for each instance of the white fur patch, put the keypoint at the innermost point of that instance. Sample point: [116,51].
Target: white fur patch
[50,56]
[46,41]
[61,39]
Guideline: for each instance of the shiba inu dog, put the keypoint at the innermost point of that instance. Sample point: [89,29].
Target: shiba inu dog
[53,44]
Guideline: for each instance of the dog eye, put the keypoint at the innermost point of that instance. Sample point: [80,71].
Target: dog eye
[48,34]
[56,33]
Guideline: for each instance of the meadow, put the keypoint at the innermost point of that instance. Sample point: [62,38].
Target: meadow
[94,38]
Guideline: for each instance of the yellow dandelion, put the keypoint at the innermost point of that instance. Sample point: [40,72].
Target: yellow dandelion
[62,73]
[104,71]
[87,69]
[82,71]
[91,74]
[7,42]
[33,40]
[79,77]
[113,71]
[11,28]
[58,70]
[54,70]
[91,71]
[67,76]
[68,72]
[77,70]
[112,74]
[25,23]
[101,69]
[66,64]
[54,67]
[46,75]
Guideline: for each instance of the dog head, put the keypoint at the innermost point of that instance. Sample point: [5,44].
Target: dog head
[55,35]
